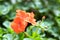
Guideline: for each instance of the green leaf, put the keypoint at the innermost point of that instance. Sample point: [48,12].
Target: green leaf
[6,24]
[7,37]
[13,1]
[51,39]
[1,32]
[28,30]
[38,38]
[57,20]
[10,37]
[5,8]
[28,39]
[11,15]
[37,4]
[47,23]
[1,0]
[57,13]
[21,36]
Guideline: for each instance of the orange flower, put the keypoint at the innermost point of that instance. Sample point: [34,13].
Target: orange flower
[21,21]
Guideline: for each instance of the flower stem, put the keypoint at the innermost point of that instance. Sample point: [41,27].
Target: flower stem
[27,34]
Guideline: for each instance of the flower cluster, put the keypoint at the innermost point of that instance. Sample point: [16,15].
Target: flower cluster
[21,21]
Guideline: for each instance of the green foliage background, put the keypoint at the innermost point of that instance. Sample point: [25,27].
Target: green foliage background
[49,27]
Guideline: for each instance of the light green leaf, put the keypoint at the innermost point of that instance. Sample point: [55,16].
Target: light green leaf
[5,8]
[57,13]
[7,37]
[28,39]
[6,24]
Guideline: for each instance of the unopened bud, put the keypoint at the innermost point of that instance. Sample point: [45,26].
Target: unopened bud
[43,17]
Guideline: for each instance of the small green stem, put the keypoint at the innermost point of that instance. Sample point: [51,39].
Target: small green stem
[27,34]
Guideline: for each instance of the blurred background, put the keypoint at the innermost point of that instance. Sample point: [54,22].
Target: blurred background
[48,8]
